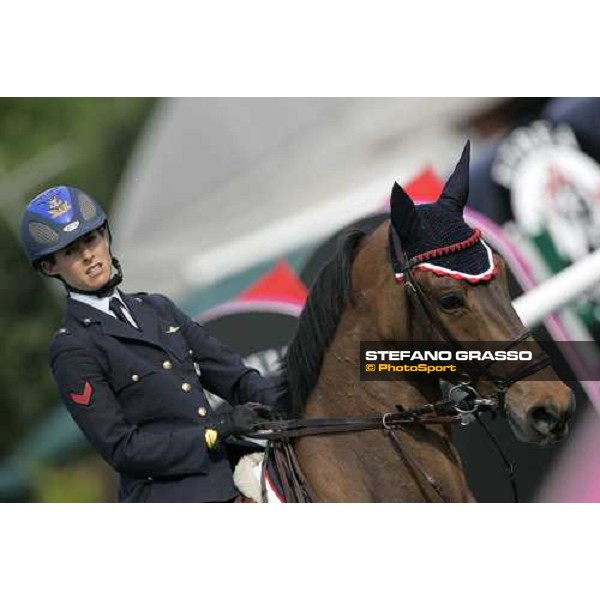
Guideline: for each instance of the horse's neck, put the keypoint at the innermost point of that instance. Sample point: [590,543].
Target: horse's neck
[365,466]
[340,392]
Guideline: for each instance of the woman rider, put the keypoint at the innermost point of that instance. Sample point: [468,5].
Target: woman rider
[132,368]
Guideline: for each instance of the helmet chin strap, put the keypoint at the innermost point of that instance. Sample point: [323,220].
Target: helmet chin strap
[105,290]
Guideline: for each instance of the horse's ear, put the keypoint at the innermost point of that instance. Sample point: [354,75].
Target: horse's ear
[405,218]
[456,190]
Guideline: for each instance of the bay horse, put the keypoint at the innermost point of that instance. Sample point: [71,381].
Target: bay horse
[422,275]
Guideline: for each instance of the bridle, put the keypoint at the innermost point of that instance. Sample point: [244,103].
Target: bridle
[477,369]
[460,404]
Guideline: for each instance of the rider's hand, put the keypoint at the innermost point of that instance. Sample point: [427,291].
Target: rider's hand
[262,411]
[237,421]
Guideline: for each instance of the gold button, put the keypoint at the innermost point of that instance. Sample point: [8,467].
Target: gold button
[191,352]
[135,377]
[167,365]
[186,387]
[202,411]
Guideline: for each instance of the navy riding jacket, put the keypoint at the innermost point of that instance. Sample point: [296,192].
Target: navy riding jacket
[138,396]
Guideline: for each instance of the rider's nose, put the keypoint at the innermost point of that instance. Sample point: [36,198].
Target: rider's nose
[87,254]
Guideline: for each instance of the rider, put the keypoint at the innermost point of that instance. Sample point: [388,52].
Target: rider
[132,368]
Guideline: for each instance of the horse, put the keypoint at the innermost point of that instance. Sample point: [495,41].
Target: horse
[421,275]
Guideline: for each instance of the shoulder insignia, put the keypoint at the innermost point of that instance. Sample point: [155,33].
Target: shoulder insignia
[63,331]
[172,329]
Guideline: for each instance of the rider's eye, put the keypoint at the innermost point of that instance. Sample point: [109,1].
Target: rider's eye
[451,301]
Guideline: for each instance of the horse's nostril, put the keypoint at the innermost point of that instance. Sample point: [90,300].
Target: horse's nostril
[544,419]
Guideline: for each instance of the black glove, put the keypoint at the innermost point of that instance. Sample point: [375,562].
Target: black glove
[241,419]
[263,412]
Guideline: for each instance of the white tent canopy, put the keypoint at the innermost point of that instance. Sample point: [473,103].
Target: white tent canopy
[217,185]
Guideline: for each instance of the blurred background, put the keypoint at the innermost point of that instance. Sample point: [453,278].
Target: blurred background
[232,205]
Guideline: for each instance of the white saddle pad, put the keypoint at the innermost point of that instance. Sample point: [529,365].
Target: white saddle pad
[246,477]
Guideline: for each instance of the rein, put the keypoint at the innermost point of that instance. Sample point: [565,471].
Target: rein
[460,406]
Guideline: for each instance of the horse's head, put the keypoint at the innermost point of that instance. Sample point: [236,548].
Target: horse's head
[455,287]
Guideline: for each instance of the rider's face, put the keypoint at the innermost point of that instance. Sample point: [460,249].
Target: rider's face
[85,264]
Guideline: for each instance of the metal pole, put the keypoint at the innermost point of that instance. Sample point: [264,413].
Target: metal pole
[535,305]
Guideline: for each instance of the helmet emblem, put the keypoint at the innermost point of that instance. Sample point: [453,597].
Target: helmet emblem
[71,226]
[57,207]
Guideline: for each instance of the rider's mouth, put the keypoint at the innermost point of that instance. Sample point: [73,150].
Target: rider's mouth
[94,270]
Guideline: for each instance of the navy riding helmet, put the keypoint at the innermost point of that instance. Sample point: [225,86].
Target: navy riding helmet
[56,218]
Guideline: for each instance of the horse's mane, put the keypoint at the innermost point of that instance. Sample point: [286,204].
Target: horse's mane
[318,322]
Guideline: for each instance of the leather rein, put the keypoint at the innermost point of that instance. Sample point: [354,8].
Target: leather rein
[461,404]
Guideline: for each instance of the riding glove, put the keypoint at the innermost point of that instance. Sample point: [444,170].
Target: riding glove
[237,421]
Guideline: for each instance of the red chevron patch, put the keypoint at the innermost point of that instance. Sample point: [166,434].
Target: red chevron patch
[84,398]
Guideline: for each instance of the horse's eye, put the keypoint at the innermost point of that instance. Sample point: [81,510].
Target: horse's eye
[451,301]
